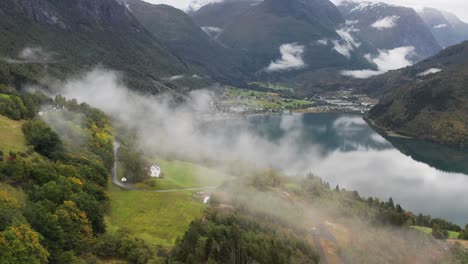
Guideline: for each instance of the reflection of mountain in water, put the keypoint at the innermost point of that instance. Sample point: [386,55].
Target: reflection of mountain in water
[331,131]
[438,156]
[343,149]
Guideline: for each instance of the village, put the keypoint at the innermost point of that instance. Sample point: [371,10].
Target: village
[246,102]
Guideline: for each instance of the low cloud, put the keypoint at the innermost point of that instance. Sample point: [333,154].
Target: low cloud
[430,71]
[386,23]
[387,60]
[187,131]
[347,43]
[440,26]
[361,74]
[181,129]
[31,55]
[322,42]
[175,77]
[213,32]
[291,58]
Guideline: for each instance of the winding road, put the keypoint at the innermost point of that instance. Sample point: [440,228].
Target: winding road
[117,182]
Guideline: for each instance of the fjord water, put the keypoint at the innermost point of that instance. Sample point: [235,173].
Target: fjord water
[422,176]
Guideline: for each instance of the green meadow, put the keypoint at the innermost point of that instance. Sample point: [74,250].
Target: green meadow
[11,135]
[428,230]
[159,218]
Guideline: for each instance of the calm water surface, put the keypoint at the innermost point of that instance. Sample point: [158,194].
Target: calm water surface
[421,176]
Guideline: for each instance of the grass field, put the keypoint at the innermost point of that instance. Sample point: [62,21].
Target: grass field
[427,230]
[12,192]
[235,96]
[11,135]
[273,86]
[159,218]
[178,174]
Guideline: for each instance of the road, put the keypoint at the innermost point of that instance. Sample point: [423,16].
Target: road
[116,181]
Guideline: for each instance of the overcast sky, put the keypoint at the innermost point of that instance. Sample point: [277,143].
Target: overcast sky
[459,7]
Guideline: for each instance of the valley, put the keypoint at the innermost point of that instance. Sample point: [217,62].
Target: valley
[278,99]
[233,131]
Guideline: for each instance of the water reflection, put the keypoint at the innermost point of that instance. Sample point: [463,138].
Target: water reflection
[355,157]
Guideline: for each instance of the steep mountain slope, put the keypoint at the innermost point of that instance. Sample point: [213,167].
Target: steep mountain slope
[188,41]
[76,35]
[389,27]
[447,28]
[432,102]
[287,38]
[220,15]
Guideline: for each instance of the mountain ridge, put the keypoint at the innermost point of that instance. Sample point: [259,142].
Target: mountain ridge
[95,32]
[431,102]
[188,41]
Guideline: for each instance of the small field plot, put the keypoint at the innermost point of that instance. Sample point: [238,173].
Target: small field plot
[11,135]
[158,218]
[180,175]
[427,230]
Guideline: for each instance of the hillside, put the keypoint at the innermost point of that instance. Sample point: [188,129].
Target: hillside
[428,100]
[388,27]
[313,32]
[446,27]
[188,41]
[12,137]
[220,15]
[77,35]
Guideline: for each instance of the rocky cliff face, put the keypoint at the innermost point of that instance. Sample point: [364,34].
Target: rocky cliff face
[40,11]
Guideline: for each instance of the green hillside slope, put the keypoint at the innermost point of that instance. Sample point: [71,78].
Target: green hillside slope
[431,106]
[77,35]
[187,40]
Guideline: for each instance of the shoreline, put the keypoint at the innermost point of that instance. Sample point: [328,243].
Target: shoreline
[298,111]
[386,132]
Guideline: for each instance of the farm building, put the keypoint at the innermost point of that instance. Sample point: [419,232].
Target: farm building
[155,171]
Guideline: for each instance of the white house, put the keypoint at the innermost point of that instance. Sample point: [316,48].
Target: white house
[155,171]
[123,179]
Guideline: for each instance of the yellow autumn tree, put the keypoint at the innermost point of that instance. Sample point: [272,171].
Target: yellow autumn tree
[20,244]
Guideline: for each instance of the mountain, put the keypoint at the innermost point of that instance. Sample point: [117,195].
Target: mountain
[287,40]
[388,27]
[187,40]
[428,100]
[72,36]
[447,28]
[220,15]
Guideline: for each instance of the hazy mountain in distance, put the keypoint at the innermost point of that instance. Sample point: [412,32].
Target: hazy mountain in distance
[388,27]
[80,34]
[188,41]
[447,28]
